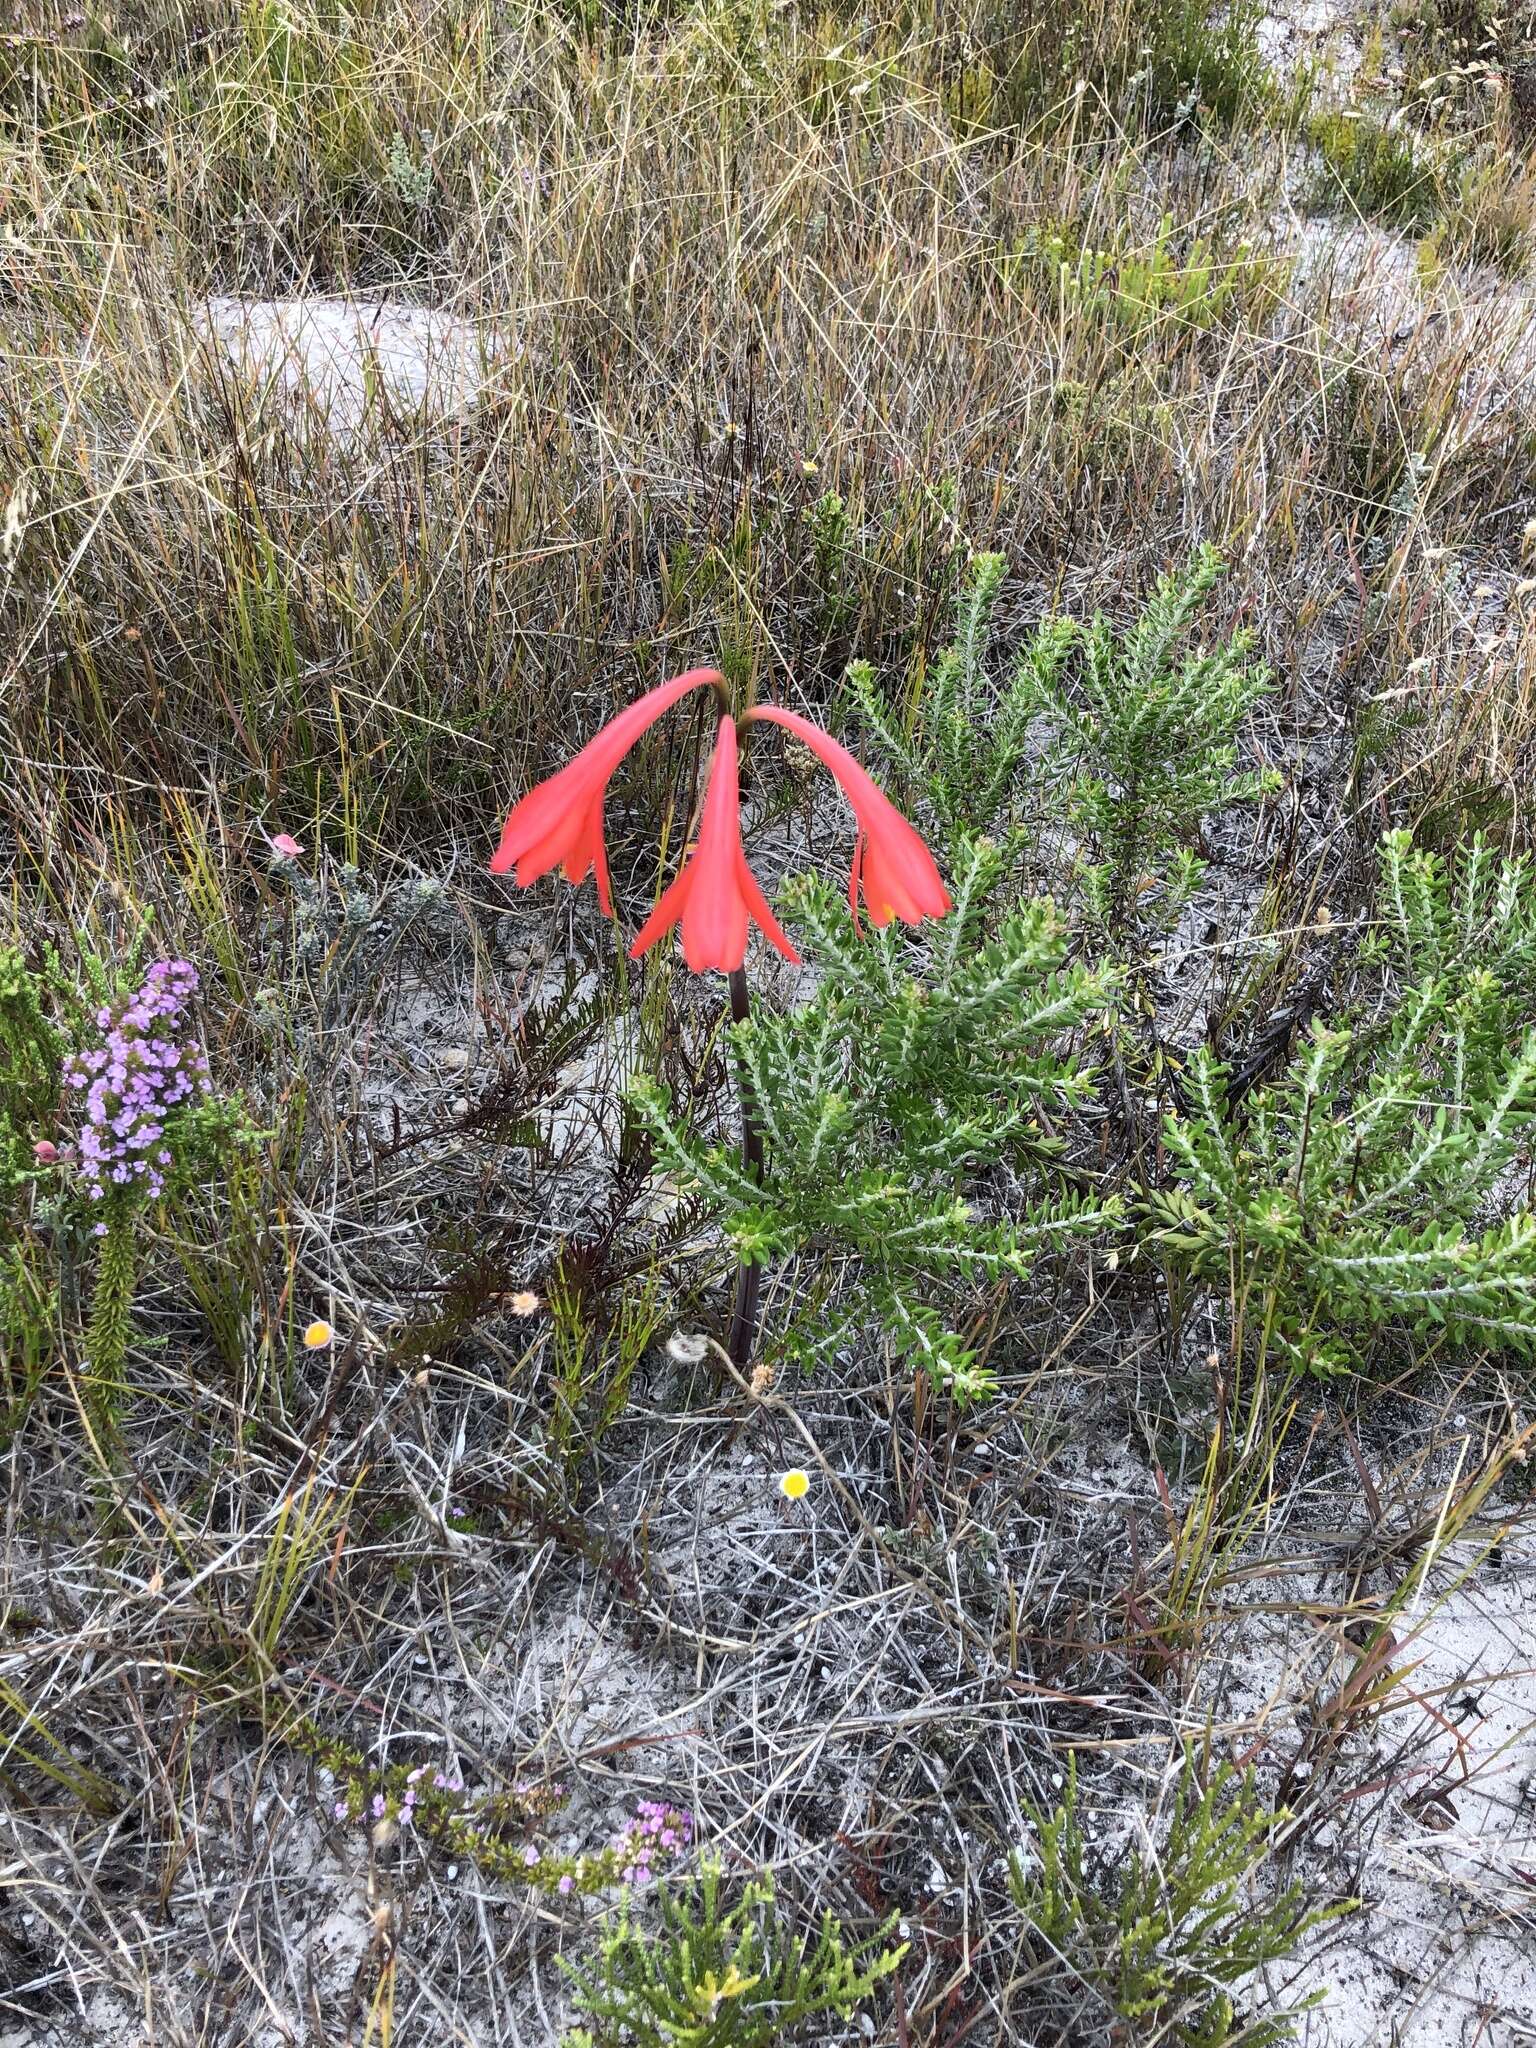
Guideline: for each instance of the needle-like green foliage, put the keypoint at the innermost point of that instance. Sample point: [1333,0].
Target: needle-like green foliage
[1162,1939]
[1145,747]
[961,752]
[908,1108]
[723,1975]
[1368,1190]
[1133,736]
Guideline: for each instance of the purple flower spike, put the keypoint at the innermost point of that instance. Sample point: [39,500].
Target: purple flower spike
[149,1066]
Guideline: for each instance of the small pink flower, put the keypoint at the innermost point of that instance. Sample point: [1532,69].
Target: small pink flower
[566,1884]
[45,1152]
[286,845]
[530,1856]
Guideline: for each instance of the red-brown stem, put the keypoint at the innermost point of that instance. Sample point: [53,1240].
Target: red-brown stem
[743,1334]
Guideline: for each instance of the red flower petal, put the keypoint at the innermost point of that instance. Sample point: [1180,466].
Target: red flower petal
[891,859]
[559,823]
[716,896]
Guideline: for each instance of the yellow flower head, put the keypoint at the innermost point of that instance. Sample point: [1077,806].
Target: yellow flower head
[318,1335]
[794,1484]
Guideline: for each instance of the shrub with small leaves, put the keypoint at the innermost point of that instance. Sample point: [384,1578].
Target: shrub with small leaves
[32,1049]
[1146,746]
[723,1975]
[964,740]
[495,1830]
[1367,1192]
[1373,170]
[31,1059]
[1135,286]
[909,1109]
[147,1116]
[1159,1940]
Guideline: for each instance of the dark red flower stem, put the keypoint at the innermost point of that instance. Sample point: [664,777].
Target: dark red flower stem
[743,1335]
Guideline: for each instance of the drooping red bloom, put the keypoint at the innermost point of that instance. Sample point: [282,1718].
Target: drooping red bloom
[715,895]
[560,822]
[891,861]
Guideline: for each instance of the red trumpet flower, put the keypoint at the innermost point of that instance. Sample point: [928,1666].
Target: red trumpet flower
[715,895]
[890,859]
[560,823]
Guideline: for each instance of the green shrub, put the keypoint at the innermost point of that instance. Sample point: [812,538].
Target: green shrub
[53,1031]
[715,1975]
[1358,1196]
[1203,62]
[1163,1939]
[890,1100]
[1139,286]
[31,1055]
[1142,738]
[1376,172]
[1146,746]
[1489,217]
[1152,64]
[959,748]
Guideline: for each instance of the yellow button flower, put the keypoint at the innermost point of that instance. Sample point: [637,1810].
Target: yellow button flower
[318,1335]
[795,1484]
